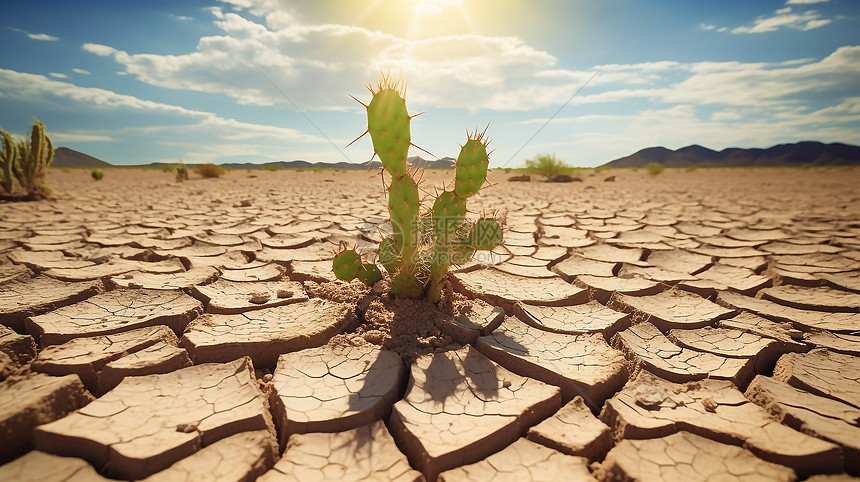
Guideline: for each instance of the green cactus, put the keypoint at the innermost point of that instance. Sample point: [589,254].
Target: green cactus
[346,265]
[421,249]
[472,166]
[7,160]
[34,157]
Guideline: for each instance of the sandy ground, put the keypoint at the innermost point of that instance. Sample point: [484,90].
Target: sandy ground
[684,326]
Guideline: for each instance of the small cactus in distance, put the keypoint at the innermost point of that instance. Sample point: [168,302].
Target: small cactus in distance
[422,246]
[97,174]
[7,158]
[33,160]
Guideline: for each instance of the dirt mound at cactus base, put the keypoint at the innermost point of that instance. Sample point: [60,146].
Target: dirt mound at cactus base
[405,326]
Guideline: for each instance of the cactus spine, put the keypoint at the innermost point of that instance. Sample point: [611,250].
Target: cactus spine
[421,249]
[7,160]
[33,160]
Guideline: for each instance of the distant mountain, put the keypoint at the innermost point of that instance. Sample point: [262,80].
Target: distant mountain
[807,152]
[65,157]
[415,161]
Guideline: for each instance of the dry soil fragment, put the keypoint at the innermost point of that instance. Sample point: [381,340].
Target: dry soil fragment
[114,268]
[591,317]
[824,418]
[602,288]
[87,356]
[687,457]
[838,342]
[582,364]
[19,348]
[18,300]
[231,297]
[838,322]
[170,281]
[477,314]
[265,334]
[114,312]
[730,343]
[523,461]
[644,344]
[672,309]
[818,298]
[158,358]
[315,252]
[679,260]
[832,375]
[240,457]
[786,336]
[45,260]
[574,430]
[27,402]
[650,407]
[611,254]
[363,453]
[146,424]
[848,281]
[337,388]
[503,289]
[576,265]
[319,271]
[38,466]
[267,272]
[721,277]
[460,407]
[14,272]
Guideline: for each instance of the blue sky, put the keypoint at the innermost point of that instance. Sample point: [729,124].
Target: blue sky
[160,80]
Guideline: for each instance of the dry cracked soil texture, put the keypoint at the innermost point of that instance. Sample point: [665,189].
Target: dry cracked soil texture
[686,326]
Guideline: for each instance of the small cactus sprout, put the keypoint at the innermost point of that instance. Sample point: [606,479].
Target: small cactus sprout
[7,159]
[422,247]
[97,174]
[347,264]
[486,234]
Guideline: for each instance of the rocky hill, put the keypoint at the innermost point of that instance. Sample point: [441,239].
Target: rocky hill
[807,152]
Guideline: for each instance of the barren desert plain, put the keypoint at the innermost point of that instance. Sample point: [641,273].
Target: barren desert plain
[684,326]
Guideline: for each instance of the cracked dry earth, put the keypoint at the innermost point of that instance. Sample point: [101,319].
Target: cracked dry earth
[686,326]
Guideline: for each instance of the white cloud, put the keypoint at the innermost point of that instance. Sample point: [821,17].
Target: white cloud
[58,75]
[81,71]
[785,18]
[705,26]
[170,123]
[57,137]
[43,36]
[98,49]
[183,18]
[804,2]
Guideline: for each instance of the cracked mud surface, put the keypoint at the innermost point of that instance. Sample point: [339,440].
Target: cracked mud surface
[688,326]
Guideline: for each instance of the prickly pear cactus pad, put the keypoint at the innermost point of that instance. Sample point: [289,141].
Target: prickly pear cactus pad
[422,246]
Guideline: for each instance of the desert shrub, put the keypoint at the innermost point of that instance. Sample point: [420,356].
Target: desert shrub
[654,168]
[97,174]
[181,171]
[272,167]
[601,168]
[806,166]
[690,169]
[210,170]
[316,169]
[546,165]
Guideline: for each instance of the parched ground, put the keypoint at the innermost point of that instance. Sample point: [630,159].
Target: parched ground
[686,326]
